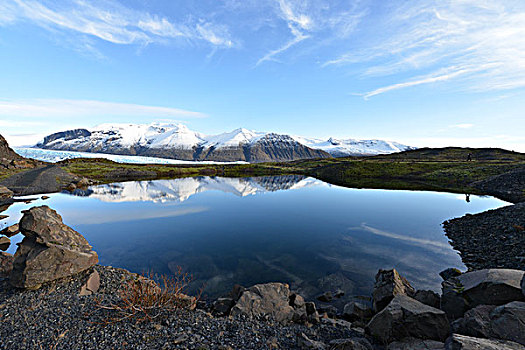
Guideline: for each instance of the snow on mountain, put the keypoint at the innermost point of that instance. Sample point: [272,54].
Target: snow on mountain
[176,141]
[352,147]
[234,138]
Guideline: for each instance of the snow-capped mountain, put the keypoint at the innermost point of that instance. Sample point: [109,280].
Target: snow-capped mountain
[179,142]
[352,147]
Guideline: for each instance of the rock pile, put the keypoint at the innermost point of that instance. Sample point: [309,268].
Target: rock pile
[49,251]
[478,310]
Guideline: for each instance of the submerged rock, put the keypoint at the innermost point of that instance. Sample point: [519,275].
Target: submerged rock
[50,250]
[388,284]
[483,287]
[407,317]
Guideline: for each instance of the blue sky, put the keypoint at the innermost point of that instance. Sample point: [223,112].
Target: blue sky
[425,73]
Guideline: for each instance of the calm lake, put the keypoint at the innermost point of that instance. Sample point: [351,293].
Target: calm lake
[292,229]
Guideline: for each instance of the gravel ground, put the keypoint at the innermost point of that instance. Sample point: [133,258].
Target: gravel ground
[492,239]
[56,317]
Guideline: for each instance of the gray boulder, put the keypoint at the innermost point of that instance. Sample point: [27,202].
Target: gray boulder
[268,300]
[416,344]
[475,322]
[428,297]
[388,284]
[406,317]
[463,342]
[508,322]
[355,311]
[50,250]
[482,287]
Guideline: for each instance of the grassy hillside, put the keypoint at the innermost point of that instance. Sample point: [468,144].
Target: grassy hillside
[437,169]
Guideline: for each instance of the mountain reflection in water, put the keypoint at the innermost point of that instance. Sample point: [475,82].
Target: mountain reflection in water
[293,229]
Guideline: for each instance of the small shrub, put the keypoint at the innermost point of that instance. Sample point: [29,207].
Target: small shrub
[143,299]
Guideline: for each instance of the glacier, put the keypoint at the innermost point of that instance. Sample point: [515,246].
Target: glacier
[53,156]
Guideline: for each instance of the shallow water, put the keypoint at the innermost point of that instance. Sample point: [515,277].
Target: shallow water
[293,229]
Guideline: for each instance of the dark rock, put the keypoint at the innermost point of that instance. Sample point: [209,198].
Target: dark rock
[10,231]
[339,293]
[296,301]
[428,297]
[463,342]
[236,292]
[310,308]
[407,317]
[267,300]
[388,284]
[475,322]
[523,285]
[483,287]
[351,344]
[4,243]
[326,297]
[222,306]
[508,322]
[308,344]
[50,250]
[416,344]
[329,310]
[450,272]
[44,198]
[355,311]
[6,264]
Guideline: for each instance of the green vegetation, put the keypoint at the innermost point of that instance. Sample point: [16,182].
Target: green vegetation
[437,169]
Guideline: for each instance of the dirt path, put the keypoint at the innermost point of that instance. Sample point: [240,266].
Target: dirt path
[47,179]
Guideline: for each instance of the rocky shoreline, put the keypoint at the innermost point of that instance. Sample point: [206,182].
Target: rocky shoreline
[492,239]
[53,295]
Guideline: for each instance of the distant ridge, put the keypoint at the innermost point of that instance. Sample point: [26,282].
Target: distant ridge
[179,142]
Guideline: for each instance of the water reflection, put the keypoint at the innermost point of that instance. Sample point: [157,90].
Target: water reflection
[180,190]
[293,229]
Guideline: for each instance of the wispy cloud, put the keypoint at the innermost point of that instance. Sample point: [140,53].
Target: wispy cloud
[43,108]
[462,126]
[112,22]
[297,23]
[424,38]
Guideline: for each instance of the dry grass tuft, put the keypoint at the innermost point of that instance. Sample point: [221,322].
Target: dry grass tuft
[143,299]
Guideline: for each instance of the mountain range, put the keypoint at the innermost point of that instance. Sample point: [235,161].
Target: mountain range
[176,141]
